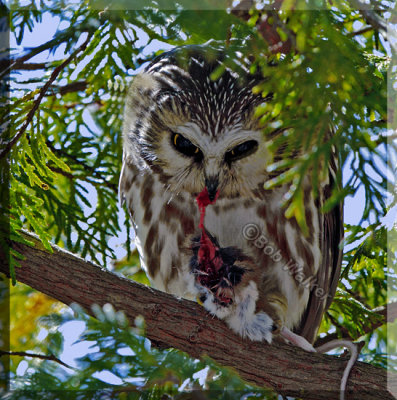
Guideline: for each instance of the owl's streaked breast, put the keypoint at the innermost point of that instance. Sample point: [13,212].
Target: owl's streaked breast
[165,225]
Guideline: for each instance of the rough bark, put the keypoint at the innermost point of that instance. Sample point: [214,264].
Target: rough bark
[185,325]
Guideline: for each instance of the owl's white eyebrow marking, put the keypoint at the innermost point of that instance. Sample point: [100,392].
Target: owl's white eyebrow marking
[191,131]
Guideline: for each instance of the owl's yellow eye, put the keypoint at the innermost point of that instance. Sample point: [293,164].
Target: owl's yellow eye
[186,147]
[242,150]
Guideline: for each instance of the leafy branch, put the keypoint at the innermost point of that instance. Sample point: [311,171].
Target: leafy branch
[93,172]
[40,96]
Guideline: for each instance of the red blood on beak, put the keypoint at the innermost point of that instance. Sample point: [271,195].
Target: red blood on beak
[207,254]
[203,200]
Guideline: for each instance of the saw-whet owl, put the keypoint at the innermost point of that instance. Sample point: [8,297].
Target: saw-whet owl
[187,134]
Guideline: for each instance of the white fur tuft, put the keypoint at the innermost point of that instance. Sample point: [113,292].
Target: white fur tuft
[241,317]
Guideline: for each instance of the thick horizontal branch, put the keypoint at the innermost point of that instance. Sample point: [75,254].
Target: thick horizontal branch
[185,325]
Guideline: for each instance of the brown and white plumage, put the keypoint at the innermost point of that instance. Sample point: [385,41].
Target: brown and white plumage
[184,132]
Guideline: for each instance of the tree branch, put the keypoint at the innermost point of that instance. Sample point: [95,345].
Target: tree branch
[69,88]
[183,324]
[361,31]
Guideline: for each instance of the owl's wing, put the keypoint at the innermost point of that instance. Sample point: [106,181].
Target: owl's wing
[128,175]
[329,271]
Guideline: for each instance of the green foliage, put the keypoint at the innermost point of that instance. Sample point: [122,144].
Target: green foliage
[329,82]
[66,163]
[369,266]
[141,371]
[63,156]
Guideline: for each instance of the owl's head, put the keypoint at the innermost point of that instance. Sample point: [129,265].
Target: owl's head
[193,130]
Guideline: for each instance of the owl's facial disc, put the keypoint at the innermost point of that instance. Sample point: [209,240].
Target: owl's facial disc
[231,162]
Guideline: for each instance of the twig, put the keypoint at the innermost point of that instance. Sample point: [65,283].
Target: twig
[370,16]
[71,87]
[62,172]
[42,93]
[345,332]
[63,36]
[361,31]
[51,357]
[22,65]
[75,104]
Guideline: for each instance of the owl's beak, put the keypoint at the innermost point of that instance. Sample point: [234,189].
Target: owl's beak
[212,186]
